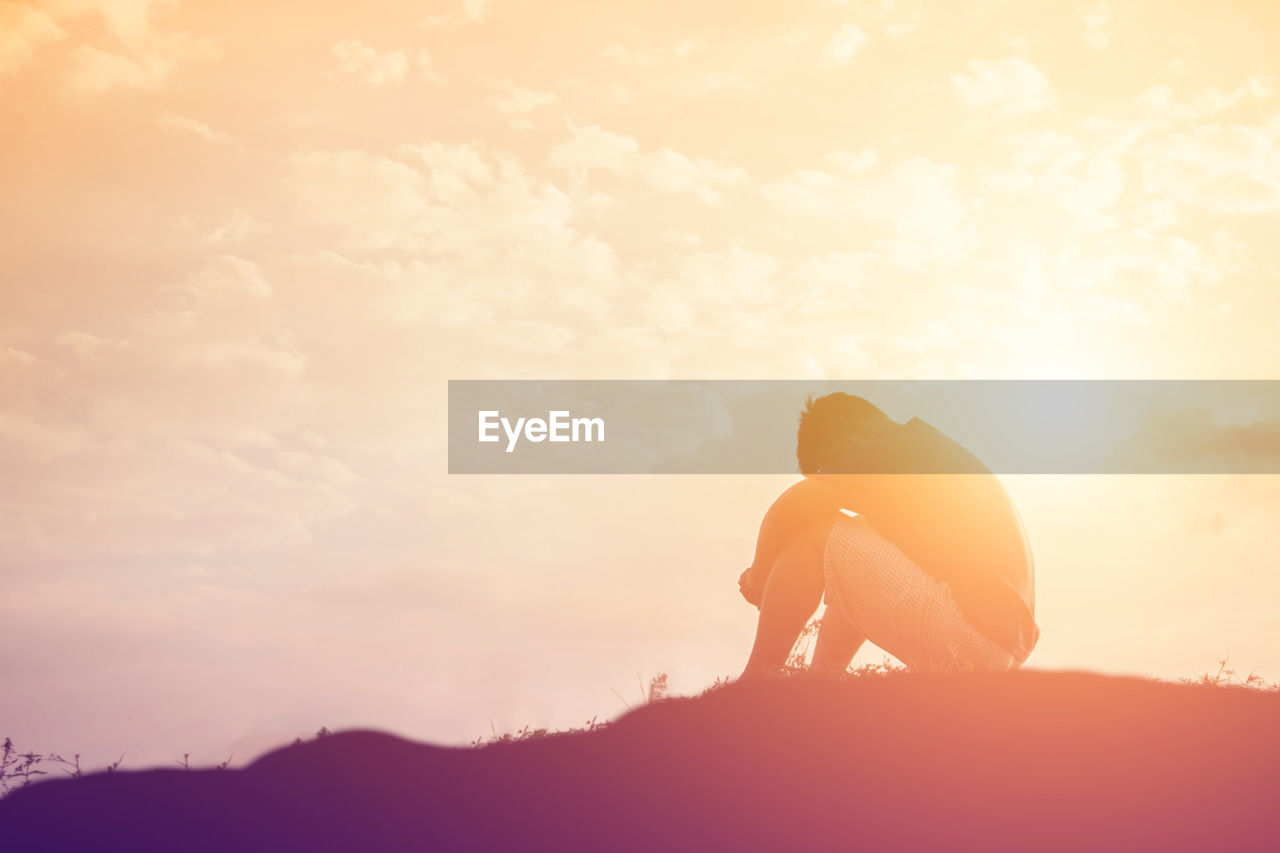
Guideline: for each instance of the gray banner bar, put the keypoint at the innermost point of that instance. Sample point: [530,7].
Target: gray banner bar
[749,426]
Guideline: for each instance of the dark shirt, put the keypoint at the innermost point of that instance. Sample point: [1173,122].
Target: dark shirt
[945,510]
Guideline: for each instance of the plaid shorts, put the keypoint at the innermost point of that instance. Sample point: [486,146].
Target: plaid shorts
[899,607]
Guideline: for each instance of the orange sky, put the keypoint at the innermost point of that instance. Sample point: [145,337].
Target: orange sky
[246,244]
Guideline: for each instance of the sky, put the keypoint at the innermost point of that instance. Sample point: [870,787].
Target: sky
[246,245]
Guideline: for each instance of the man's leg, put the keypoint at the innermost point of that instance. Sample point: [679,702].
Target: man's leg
[838,641]
[791,595]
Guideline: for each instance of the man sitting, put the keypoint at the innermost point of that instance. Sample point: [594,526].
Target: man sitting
[914,541]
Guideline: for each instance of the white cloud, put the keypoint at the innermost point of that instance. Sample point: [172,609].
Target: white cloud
[591,148]
[426,66]
[736,276]
[20,357]
[129,21]
[852,162]
[95,71]
[1225,169]
[1138,263]
[1153,214]
[24,29]
[462,241]
[185,124]
[916,202]
[238,356]
[228,275]
[366,62]
[136,55]
[500,241]
[843,47]
[30,440]
[84,344]
[374,201]
[1060,176]
[1011,86]
[1096,30]
[470,12]
[672,172]
[236,228]
[1163,103]
[684,239]
[835,277]
[900,29]
[516,103]
[456,174]
[724,81]
[654,56]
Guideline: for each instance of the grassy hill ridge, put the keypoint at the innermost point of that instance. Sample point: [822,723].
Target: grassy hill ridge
[1017,761]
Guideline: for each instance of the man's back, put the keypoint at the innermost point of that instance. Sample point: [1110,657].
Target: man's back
[961,527]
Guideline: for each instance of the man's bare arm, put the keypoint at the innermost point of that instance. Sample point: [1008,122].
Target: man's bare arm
[802,506]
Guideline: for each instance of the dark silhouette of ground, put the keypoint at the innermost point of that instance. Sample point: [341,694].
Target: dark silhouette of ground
[1014,761]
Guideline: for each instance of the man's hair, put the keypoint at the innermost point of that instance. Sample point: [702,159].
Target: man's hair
[828,427]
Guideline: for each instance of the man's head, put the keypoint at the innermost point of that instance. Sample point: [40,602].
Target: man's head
[831,425]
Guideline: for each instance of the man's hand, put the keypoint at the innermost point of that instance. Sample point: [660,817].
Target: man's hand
[749,592]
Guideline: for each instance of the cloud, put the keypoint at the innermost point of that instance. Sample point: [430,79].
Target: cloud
[843,47]
[903,28]
[227,275]
[1096,30]
[1130,261]
[426,66]
[591,149]
[185,124]
[84,344]
[886,12]
[471,12]
[734,277]
[852,162]
[375,202]
[129,21]
[1221,168]
[1011,86]
[24,29]
[724,81]
[500,242]
[95,71]
[366,62]
[1163,103]
[836,277]
[654,56]
[1224,167]
[734,312]
[19,357]
[916,201]
[244,357]
[136,55]
[25,438]
[238,227]
[1064,176]
[516,103]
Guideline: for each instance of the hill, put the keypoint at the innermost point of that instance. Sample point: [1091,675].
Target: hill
[1018,761]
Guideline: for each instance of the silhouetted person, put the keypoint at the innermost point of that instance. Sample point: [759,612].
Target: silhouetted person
[932,564]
